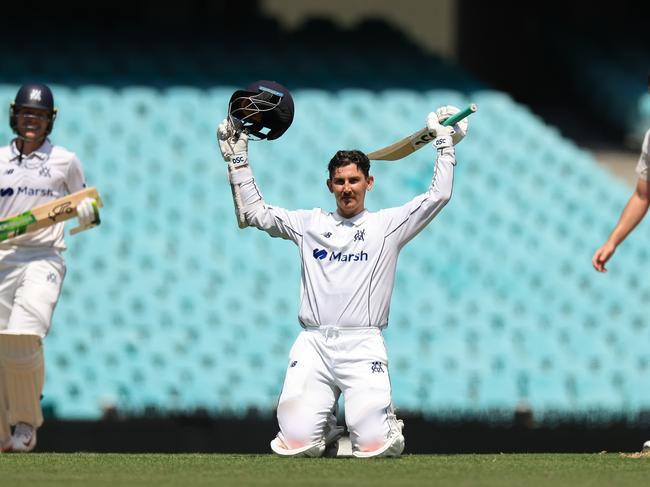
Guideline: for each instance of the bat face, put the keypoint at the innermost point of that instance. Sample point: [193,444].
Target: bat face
[417,140]
[404,147]
[60,211]
[45,215]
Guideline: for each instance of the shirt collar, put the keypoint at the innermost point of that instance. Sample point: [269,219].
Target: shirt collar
[43,152]
[356,220]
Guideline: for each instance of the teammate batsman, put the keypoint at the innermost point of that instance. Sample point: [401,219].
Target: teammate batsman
[348,269]
[33,171]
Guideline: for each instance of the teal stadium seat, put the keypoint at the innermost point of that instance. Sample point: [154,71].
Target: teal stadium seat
[168,305]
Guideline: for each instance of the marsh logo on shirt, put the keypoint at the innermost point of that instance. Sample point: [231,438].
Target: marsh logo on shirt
[321,254]
[27,191]
[24,190]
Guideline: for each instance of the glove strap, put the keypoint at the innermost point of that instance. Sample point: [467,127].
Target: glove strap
[443,142]
[239,160]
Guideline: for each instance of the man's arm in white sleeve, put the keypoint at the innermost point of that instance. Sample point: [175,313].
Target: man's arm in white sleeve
[250,207]
[409,219]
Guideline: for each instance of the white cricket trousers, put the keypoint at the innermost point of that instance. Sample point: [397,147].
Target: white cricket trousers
[30,285]
[324,362]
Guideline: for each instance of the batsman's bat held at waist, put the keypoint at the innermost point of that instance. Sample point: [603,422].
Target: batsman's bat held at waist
[417,140]
[48,214]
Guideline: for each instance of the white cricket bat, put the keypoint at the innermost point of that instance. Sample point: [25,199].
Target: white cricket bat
[47,214]
[417,140]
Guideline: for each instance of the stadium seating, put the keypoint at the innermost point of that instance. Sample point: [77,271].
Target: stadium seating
[183,311]
[169,307]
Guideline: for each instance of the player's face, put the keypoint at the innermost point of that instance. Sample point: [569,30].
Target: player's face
[32,123]
[349,186]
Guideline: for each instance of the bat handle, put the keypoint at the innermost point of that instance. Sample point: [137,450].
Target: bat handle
[457,117]
[94,223]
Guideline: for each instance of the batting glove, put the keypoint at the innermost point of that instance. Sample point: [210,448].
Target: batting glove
[87,213]
[443,135]
[233,146]
[460,128]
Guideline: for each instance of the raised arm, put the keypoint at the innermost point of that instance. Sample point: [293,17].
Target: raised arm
[412,217]
[632,214]
[250,208]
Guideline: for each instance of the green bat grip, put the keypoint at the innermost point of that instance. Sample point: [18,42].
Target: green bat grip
[12,227]
[457,117]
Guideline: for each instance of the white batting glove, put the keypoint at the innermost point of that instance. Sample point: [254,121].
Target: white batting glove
[234,148]
[443,135]
[87,213]
[460,128]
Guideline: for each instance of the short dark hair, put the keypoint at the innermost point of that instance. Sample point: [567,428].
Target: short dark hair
[345,157]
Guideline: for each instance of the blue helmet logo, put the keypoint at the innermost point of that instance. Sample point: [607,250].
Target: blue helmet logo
[320,254]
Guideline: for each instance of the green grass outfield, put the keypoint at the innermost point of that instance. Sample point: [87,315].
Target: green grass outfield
[191,470]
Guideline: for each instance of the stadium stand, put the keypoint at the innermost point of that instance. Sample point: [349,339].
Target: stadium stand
[170,307]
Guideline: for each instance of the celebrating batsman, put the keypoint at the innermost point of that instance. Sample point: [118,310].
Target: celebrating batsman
[33,171]
[348,259]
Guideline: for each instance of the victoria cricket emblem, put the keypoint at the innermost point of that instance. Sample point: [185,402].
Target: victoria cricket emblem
[359,235]
[377,367]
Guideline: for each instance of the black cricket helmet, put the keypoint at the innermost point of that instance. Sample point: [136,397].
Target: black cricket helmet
[262,105]
[33,95]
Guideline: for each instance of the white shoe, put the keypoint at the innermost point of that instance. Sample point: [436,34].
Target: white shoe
[24,438]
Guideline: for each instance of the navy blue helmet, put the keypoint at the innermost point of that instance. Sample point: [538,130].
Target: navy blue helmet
[32,95]
[262,105]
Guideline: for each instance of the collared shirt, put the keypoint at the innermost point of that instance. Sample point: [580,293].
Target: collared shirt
[348,264]
[32,180]
[644,158]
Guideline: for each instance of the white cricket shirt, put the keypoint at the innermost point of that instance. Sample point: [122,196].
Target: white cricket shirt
[45,175]
[644,158]
[348,265]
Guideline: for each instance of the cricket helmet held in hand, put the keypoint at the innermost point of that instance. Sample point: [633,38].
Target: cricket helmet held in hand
[262,105]
[33,95]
